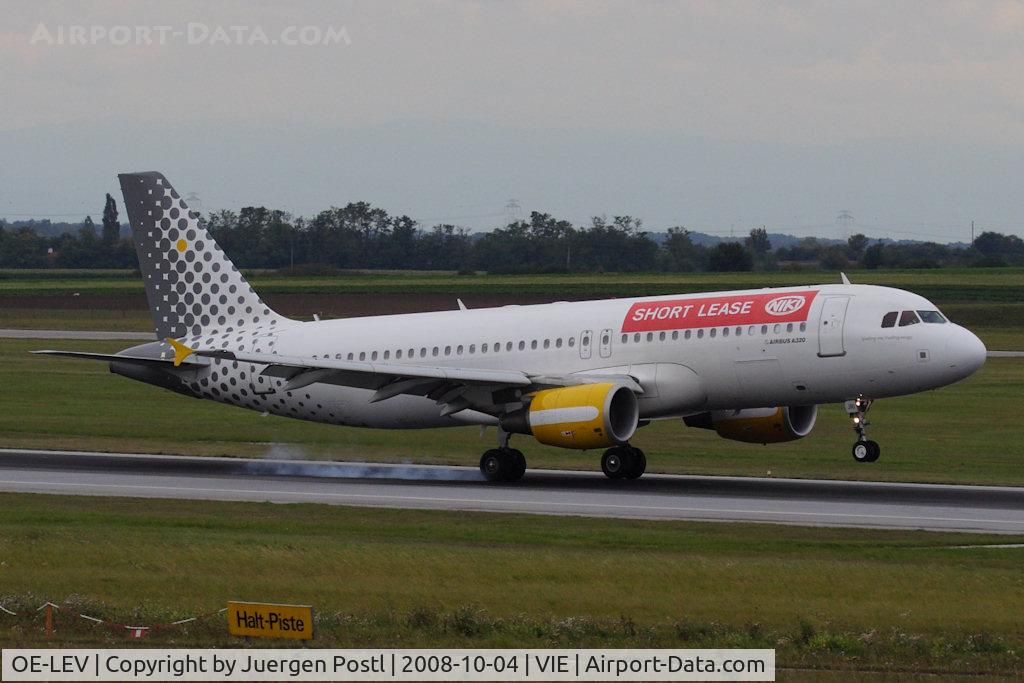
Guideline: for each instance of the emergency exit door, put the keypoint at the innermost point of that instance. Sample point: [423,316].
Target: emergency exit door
[606,343]
[586,339]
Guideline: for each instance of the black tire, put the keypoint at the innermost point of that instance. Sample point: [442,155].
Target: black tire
[517,465]
[875,449]
[615,462]
[493,465]
[866,451]
[638,464]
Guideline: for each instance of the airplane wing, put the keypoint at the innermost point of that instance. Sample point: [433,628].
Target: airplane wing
[453,388]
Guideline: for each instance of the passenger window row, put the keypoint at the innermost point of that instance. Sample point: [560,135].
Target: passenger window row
[458,350]
[751,331]
[558,343]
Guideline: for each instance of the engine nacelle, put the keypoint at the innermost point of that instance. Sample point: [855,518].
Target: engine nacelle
[758,425]
[580,416]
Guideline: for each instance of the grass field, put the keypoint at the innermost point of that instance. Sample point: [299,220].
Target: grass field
[970,432]
[989,301]
[826,599]
[854,599]
[68,319]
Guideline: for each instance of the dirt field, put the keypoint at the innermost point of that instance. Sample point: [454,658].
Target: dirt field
[293,305]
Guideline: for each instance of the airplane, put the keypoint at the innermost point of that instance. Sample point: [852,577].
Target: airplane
[752,365]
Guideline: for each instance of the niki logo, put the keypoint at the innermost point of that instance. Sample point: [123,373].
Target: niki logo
[784,305]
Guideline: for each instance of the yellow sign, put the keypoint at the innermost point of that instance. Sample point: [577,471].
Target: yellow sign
[261,620]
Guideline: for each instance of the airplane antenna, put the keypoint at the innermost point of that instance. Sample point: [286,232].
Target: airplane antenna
[846,280]
[462,306]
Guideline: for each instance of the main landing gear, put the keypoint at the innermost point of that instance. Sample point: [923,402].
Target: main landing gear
[864,450]
[503,463]
[623,462]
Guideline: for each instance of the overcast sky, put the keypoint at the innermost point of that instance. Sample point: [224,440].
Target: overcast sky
[713,115]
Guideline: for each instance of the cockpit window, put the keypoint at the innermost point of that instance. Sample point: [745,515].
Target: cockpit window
[889,319]
[931,317]
[908,318]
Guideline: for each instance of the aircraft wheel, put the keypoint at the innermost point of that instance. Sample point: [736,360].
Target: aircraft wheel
[875,449]
[866,451]
[493,465]
[517,466]
[638,464]
[615,462]
[503,464]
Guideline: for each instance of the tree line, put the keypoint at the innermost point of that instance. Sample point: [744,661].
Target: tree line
[361,236]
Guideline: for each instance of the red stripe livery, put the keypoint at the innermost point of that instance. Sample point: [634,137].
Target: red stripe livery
[718,311]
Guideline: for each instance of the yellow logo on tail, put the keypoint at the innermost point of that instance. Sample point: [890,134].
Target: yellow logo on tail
[181,352]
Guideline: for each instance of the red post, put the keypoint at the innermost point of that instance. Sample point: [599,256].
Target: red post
[49,620]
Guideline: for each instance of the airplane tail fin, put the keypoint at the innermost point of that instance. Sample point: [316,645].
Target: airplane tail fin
[192,287]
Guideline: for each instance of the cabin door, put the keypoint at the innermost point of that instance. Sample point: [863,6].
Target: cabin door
[830,327]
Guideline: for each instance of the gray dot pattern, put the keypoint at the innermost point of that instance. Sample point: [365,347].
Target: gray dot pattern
[241,384]
[192,286]
[198,296]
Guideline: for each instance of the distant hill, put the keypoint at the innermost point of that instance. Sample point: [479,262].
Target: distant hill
[781,240]
[44,227]
[778,239]
[47,228]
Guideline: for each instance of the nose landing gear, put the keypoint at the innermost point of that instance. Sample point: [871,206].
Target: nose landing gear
[623,462]
[864,450]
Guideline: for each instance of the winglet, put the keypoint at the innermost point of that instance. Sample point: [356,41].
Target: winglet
[181,352]
[846,280]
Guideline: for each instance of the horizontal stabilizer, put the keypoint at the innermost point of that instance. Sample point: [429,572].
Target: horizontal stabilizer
[87,355]
[181,352]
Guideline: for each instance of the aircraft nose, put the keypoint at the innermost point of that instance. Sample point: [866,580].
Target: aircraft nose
[965,352]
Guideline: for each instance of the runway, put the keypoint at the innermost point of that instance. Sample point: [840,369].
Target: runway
[663,497]
[83,335]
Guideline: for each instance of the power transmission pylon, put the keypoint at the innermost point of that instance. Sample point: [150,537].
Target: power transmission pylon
[513,211]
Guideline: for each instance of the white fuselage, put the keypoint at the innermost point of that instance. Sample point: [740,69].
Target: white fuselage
[691,353]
